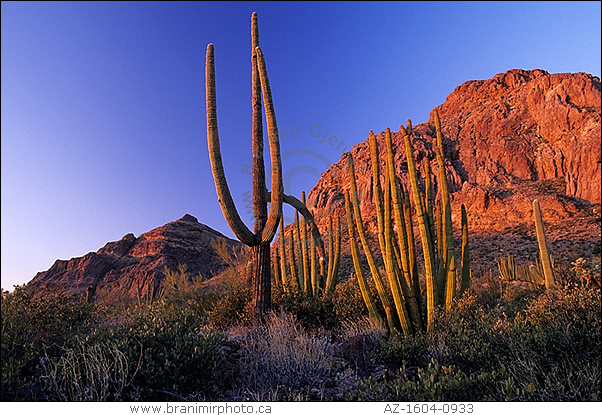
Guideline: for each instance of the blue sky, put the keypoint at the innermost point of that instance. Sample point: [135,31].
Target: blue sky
[103,103]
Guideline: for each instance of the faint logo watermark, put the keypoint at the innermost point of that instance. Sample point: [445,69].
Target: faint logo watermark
[316,148]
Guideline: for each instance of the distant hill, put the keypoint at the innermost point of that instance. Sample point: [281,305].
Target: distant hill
[123,267]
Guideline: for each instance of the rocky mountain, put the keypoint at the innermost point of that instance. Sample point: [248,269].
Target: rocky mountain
[508,140]
[133,264]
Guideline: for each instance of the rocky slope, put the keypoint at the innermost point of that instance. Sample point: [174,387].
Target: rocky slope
[508,140]
[121,268]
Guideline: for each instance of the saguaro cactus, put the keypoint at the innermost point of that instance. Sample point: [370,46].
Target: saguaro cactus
[546,263]
[265,224]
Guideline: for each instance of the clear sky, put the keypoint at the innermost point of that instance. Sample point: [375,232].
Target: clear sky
[103,104]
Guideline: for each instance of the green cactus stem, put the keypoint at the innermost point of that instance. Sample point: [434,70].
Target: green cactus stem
[333,260]
[413,266]
[395,281]
[313,275]
[304,254]
[465,253]
[276,268]
[376,276]
[429,201]
[427,244]
[282,239]
[449,256]
[377,193]
[544,254]
[303,283]
[292,263]
[366,294]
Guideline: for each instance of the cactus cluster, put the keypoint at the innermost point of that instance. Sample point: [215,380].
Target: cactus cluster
[541,272]
[309,269]
[402,297]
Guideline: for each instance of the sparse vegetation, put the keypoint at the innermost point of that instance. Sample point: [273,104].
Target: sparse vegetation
[536,346]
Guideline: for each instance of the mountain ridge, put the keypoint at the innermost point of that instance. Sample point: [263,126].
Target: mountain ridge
[134,265]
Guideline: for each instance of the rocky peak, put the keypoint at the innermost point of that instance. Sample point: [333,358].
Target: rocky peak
[132,264]
[188,218]
[521,135]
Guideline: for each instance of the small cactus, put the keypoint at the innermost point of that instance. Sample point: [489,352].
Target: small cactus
[543,247]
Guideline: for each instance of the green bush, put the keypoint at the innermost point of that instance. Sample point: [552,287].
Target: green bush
[172,354]
[348,301]
[33,327]
[233,306]
[431,383]
[310,312]
[555,346]
[181,291]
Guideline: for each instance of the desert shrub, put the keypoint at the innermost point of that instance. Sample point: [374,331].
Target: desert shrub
[172,354]
[280,360]
[348,302]
[555,346]
[87,372]
[588,272]
[434,382]
[35,326]
[232,306]
[404,351]
[469,336]
[359,343]
[181,290]
[310,312]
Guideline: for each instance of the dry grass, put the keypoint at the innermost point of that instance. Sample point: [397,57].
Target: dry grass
[281,360]
[90,373]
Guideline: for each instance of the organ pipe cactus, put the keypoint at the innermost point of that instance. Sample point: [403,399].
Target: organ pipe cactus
[396,237]
[544,254]
[408,285]
[304,254]
[365,290]
[334,254]
[376,276]
[319,282]
[283,255]
[292,263]
[266,223]
[303,282]
[447,250]
[427,243]
[276,268]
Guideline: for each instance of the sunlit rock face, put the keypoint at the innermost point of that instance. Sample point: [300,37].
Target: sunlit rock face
[519,136]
